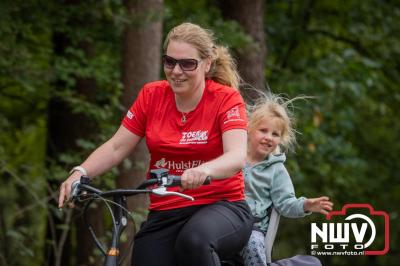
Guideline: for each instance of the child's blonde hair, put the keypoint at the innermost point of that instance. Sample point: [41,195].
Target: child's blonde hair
[275,106]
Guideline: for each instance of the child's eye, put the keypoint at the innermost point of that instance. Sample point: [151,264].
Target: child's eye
[276,134]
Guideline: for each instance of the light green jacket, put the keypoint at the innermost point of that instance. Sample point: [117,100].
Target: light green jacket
[268,183]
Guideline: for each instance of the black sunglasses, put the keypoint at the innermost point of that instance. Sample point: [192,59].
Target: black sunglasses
[185,64]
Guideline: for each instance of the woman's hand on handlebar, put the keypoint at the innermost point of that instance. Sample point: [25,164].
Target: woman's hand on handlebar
[65,188]
[194,177]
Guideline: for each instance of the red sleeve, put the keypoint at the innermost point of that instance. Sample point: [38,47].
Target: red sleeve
[233,113]
[136,117]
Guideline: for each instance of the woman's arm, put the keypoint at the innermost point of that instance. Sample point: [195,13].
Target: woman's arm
[111,153]
[229,163]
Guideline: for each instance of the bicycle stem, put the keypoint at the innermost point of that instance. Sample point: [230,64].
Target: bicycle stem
[112,254]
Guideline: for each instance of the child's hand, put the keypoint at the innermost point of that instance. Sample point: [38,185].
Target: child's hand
[321,205]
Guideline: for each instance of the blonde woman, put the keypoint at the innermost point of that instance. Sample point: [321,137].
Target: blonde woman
[195,126]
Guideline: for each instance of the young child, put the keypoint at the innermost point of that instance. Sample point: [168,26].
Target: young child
[266,179]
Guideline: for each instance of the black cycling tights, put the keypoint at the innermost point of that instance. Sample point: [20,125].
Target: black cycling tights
[198,235]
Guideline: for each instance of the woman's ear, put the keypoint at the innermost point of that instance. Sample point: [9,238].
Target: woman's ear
[207,62]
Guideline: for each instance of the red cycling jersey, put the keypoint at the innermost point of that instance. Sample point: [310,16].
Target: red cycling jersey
[179,141]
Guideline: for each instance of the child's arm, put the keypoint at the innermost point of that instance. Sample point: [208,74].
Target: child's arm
[285,201]
[321,205]
[283,195]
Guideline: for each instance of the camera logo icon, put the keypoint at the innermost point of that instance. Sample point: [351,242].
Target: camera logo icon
[352,231]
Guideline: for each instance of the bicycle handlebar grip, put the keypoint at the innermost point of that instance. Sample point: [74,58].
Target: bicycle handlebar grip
[175,181]
[207,181]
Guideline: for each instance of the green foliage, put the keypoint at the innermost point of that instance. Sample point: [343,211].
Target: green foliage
[24,71]
[30,74]
[206,14]
[345,55]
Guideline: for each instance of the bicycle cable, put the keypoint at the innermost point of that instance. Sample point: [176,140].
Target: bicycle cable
[93,197]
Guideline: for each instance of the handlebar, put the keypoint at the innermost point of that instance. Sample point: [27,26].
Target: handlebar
[159,177]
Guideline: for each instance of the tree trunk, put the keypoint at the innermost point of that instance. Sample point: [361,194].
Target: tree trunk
[141,60]
[141,63]
[251,59]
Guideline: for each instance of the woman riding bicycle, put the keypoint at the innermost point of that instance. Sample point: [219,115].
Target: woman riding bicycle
[195,126]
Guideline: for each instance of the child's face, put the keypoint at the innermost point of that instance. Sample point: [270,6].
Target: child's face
[264,138]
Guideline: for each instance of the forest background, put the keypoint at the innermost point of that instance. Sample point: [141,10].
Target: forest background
[70,69]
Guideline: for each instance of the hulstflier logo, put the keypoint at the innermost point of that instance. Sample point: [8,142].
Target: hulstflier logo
[178,166]
[351,231]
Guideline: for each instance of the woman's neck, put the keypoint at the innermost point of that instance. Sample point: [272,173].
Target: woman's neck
[188,102]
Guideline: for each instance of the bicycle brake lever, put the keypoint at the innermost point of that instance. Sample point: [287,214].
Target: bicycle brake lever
[162,191]
[73,194]
[74,190]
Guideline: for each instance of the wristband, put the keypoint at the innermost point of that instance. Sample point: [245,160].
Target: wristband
[80,169]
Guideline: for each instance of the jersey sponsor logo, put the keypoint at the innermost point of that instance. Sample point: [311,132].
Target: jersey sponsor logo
[178,166]
[194,137]
[130,114]
[233,115]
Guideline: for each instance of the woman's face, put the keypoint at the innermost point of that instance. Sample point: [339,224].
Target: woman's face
[265,137]
[184,82]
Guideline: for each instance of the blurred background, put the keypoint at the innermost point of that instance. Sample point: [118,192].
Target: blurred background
[70,69]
